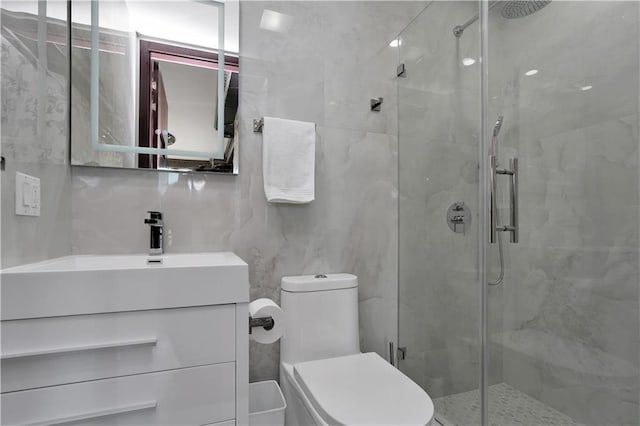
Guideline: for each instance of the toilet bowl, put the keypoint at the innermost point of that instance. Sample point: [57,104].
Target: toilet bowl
[324,377]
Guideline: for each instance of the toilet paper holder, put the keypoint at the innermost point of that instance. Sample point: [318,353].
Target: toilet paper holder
[266,322]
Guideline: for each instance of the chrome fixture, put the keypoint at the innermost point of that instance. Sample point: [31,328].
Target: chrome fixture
[402,353]
[513,173]
[401,71]
[458,217]
[510,10]
[496,131]
[258,124]
[458,30]
[494,214]
[266,322]
[396,355]
[156,240]
[493,206]
[167,138]
[522,8]
[376,104]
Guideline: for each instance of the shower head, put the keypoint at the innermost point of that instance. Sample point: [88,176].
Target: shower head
[498,126]
[510,9]
[522,8]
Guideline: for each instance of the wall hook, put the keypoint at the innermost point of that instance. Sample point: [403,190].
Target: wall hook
[258,124]
[376,103]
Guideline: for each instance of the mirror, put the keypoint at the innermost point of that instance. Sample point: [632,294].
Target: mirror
[148,89]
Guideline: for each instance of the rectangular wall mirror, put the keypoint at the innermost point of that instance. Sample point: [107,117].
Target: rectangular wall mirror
[148,86]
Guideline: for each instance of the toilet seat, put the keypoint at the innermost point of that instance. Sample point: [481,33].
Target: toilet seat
[362,389]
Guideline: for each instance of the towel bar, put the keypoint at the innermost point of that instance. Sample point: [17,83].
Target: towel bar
[258,124]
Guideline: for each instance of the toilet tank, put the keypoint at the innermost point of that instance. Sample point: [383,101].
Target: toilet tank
[321,315]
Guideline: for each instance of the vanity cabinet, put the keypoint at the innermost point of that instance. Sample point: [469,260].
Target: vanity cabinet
[167,361]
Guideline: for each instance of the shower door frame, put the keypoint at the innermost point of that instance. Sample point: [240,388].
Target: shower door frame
[483,150]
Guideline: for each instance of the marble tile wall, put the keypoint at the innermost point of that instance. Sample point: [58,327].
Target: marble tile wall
[325,68]
[34,134]
[571,331]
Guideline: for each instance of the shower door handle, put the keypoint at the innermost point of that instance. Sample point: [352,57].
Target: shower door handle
[513,202]
[493,225]
[515,226]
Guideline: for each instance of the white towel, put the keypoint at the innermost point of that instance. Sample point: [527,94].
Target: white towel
[288,160]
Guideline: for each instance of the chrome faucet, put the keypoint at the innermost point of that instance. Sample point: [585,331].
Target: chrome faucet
[156,240]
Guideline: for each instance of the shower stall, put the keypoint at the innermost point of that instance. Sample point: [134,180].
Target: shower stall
[518,167]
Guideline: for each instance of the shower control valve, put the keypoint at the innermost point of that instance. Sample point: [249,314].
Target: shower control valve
[458,217]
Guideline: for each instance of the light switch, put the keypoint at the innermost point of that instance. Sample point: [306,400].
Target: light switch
[36,197]
[27,195]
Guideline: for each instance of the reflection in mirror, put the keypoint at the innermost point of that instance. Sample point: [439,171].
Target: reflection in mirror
[179,108]
[146,91]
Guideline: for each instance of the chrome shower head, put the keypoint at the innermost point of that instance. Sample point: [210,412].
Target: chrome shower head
[522,8]
[510,9]
[498,126]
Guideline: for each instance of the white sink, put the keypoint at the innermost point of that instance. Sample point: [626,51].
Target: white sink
[74,285]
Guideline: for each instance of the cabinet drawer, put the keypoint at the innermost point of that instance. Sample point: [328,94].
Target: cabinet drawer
[52,351]
[190,396]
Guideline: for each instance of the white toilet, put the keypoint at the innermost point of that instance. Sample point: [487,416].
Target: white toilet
[324,377]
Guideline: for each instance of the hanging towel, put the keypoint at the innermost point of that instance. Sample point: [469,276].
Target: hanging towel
[288,160]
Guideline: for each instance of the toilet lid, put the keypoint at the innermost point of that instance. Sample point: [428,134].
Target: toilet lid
[363,389]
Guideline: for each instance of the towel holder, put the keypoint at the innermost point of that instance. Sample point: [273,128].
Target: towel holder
[258,124]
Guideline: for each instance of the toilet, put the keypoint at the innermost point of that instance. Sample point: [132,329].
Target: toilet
[325,378]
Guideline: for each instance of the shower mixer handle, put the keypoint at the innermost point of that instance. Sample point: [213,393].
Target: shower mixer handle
[513,226]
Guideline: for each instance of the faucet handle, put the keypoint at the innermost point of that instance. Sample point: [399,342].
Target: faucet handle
[154,218]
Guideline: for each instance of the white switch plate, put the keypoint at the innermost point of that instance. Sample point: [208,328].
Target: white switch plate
[27,195]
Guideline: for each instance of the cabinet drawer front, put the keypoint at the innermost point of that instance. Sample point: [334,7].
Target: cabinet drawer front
[189,396]
[52,351]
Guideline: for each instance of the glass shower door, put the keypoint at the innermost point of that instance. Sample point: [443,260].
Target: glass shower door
[558,309]
[439,197]
[563,325]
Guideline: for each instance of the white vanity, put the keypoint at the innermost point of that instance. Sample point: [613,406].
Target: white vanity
[116,340]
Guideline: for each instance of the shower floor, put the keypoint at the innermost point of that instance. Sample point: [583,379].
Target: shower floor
[508,407]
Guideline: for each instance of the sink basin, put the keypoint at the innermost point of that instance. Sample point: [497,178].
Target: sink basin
[74,285]
[133,261]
